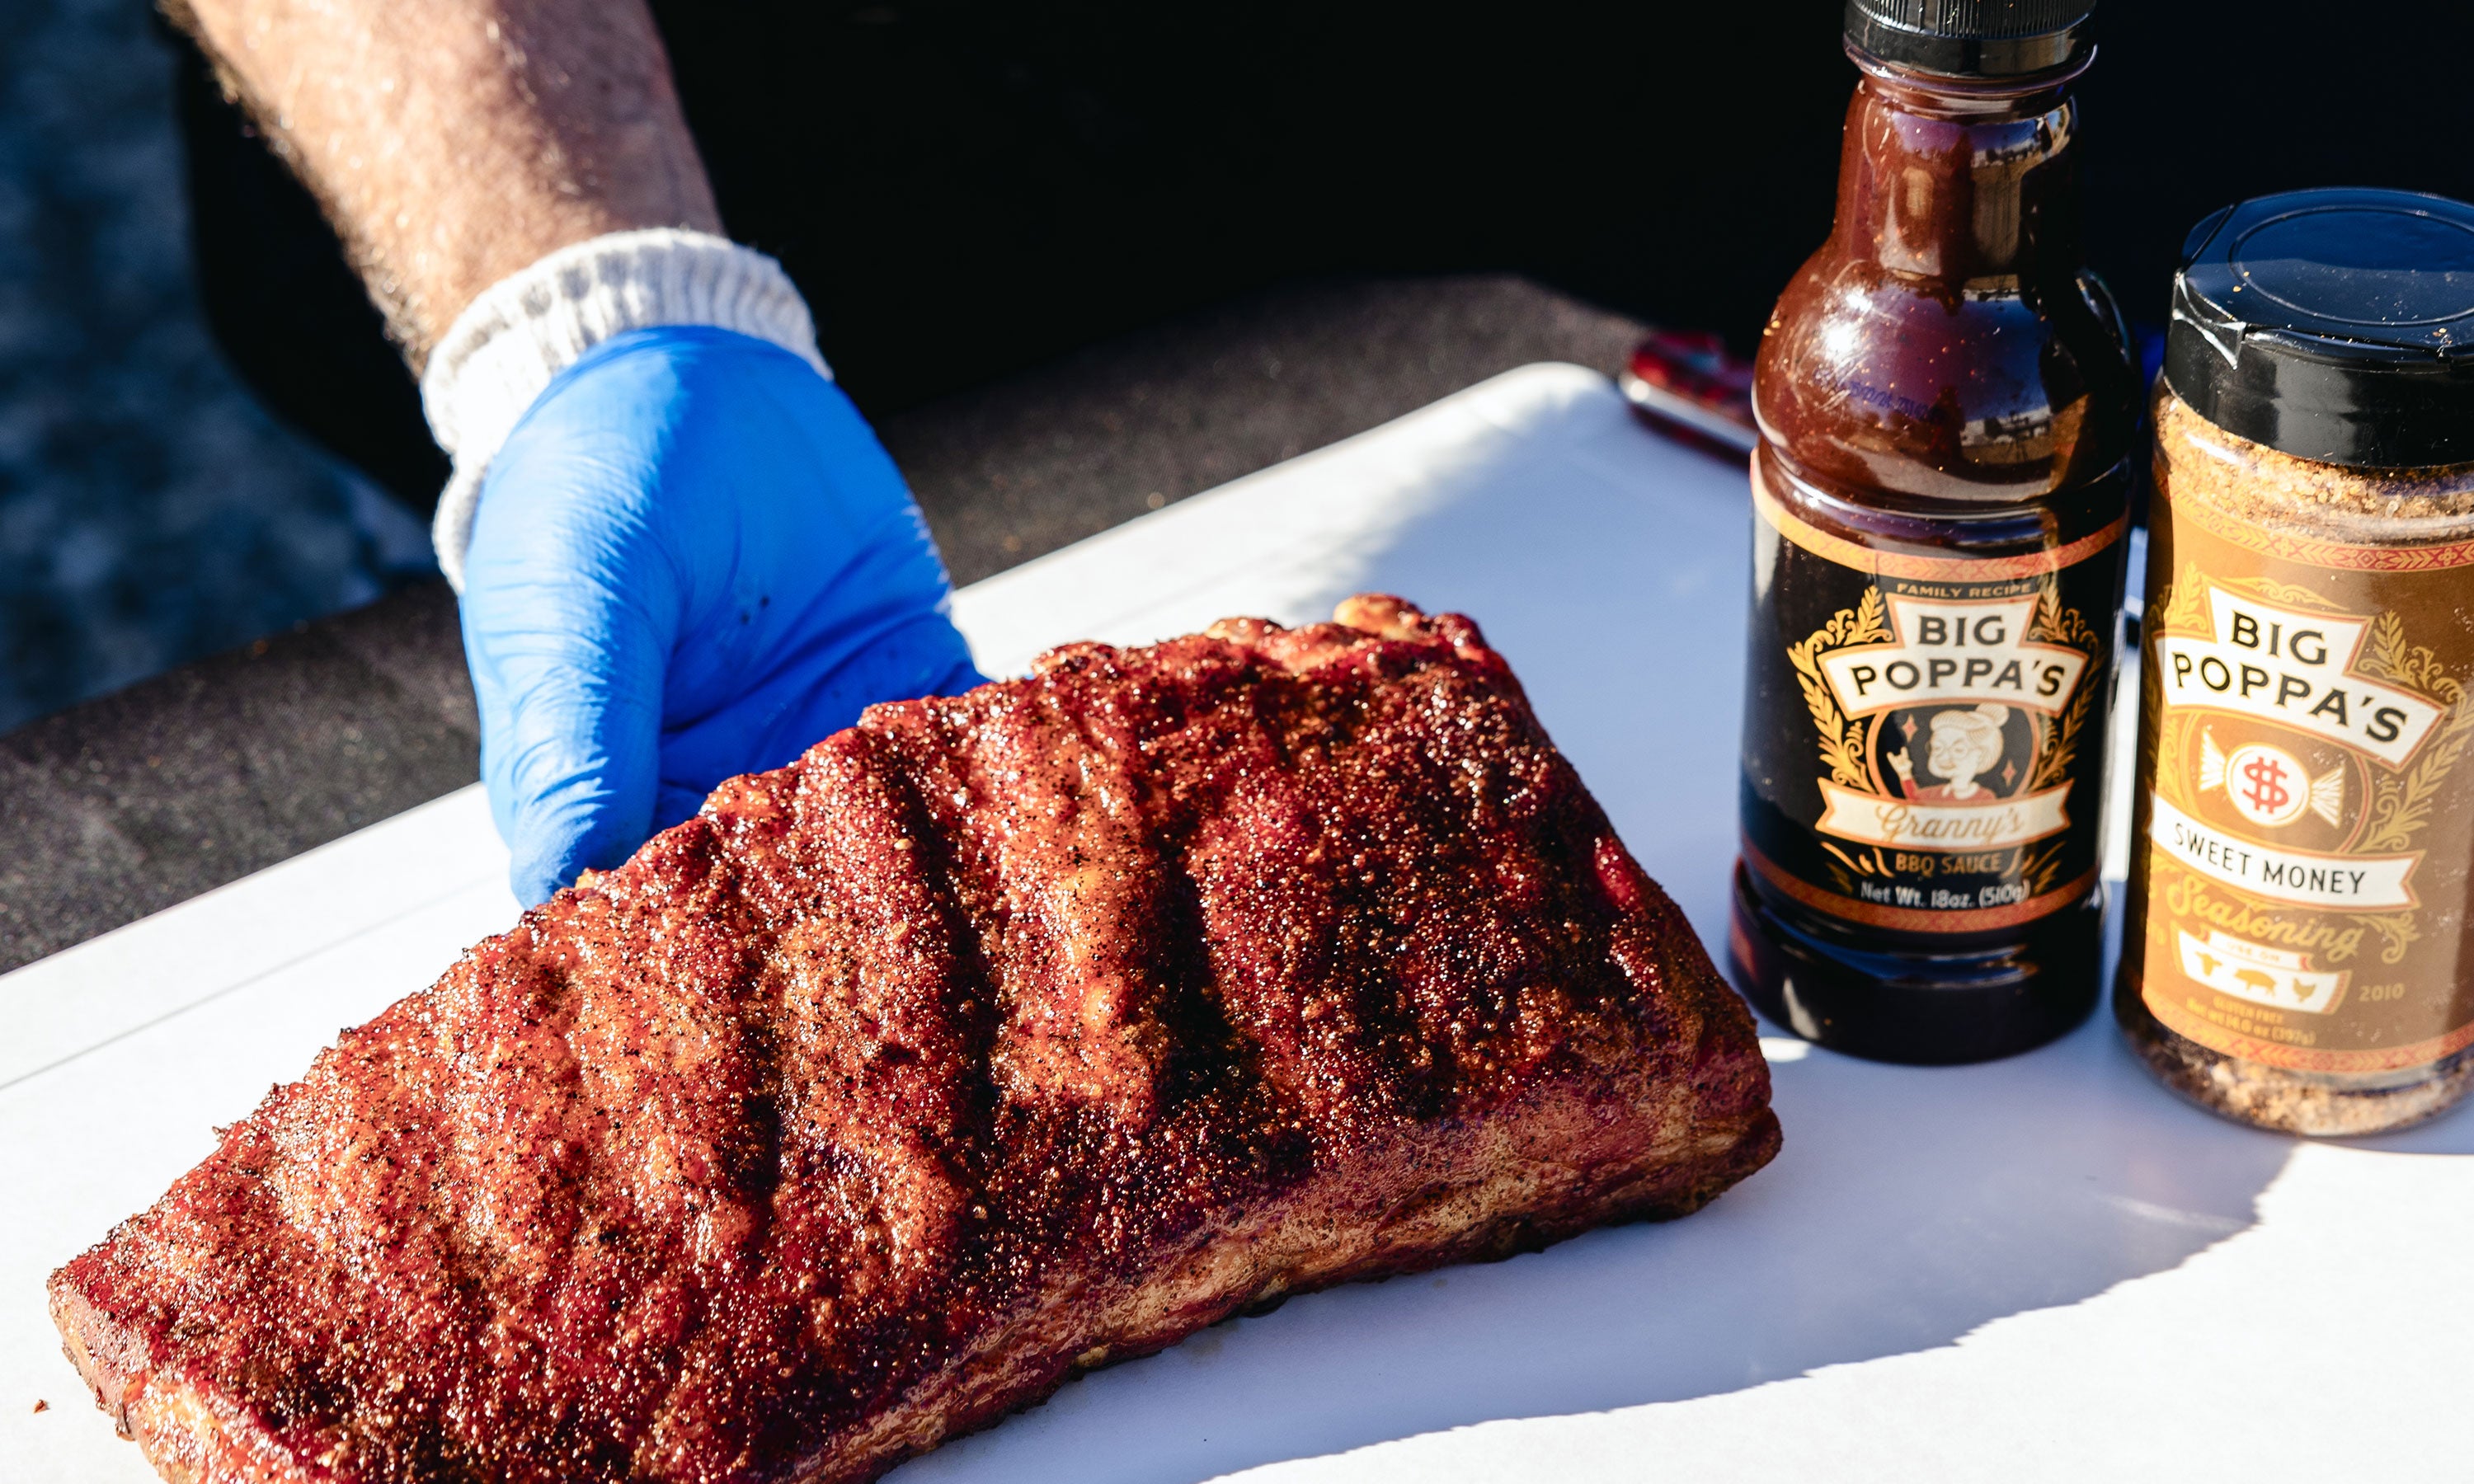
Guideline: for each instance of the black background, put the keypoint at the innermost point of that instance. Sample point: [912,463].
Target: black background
[967,187]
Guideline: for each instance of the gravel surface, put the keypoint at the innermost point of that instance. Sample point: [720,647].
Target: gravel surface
[1034,461]
[150,510]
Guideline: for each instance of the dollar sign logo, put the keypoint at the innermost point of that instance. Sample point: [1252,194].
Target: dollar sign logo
[2268,793]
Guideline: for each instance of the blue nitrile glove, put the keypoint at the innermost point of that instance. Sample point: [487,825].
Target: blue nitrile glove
[691,559]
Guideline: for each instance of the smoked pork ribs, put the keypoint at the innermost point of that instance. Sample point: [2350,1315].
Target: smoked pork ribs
[999,1036]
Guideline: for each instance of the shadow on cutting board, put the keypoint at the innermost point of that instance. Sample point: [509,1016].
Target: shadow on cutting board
[1910,1206]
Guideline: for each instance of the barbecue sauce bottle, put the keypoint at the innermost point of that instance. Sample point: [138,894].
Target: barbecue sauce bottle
[1948,413]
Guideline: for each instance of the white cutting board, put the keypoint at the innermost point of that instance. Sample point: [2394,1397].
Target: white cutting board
[2044,1268]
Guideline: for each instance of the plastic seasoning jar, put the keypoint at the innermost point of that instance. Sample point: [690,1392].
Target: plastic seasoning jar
[2296,953]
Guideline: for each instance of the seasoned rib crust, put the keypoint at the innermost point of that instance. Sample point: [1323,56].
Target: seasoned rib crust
[998,1038]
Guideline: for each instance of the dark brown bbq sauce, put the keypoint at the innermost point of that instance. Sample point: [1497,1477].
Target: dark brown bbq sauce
[1947,411]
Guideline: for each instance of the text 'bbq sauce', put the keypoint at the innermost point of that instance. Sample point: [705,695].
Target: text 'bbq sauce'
[1947,411]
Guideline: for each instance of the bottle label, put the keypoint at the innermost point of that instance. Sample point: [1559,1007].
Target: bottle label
[1923,735]
[2305,833]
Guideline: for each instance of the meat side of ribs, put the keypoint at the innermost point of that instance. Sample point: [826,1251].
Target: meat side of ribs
[998,1038]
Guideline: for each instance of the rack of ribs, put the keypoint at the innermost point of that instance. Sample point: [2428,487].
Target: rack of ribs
[1000,1037]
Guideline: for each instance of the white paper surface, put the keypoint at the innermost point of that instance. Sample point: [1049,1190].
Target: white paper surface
[2044,1268]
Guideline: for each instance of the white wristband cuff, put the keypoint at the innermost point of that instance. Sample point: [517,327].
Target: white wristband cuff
[522,330]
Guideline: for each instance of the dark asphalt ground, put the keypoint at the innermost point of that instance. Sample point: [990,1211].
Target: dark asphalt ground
[129,803]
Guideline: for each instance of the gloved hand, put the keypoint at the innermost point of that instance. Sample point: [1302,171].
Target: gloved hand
[691,559]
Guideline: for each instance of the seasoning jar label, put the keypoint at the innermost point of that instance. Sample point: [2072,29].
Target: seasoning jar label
[1924,734]
[2307,833]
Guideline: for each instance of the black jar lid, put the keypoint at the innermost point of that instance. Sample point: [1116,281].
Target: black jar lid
[2332,325]
[1973,38]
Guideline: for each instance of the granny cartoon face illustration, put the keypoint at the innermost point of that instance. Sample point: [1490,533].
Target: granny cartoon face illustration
[1966,745]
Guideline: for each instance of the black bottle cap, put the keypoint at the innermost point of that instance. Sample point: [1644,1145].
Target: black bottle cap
[2332,325]
[1973,38]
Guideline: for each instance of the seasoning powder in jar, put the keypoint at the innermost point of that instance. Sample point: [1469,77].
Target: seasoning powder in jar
[2296,953]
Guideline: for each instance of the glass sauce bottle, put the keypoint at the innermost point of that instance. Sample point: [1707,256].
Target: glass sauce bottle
[1948,413]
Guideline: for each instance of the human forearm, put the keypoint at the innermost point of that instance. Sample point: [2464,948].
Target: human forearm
[452,142]
[681,553]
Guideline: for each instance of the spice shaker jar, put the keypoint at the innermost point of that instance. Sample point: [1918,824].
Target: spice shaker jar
[2296,952]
